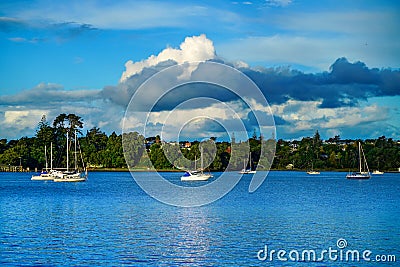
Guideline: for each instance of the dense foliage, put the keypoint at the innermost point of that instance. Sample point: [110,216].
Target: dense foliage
[102,151]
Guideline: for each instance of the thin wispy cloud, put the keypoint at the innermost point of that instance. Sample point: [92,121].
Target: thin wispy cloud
[39,31]
[124,15]
[278,3]
[45,94]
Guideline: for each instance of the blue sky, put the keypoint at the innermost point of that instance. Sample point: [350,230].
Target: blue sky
[331,66]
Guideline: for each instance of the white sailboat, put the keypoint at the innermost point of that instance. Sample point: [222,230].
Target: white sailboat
[363,171]
[196,175]
[249,170]
[75,175]
[46,174]
[312,172]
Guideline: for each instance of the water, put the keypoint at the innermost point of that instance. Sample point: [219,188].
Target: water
[110,221]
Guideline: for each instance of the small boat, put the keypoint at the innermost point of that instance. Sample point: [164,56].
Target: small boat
[196,175]
[249,170]
[75,175]
[46,174]
[377,172]
[312,172]
[363,171]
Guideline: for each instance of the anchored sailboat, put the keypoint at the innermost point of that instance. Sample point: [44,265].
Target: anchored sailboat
[312,171]
[46,174]
[197,175]
[250,169]
[363,171]
[75,175]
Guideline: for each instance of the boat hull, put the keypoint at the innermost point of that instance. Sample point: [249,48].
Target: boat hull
[358,176]
[194,176]
[248,172]
[73,180]
[76,177]
[42,178]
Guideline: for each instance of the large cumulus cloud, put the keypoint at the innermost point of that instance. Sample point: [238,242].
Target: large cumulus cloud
[195,48]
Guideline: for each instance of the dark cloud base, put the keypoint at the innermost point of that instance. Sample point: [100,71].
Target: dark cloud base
[346,84]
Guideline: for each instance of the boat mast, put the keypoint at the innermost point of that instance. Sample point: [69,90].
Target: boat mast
[67,151]
[365,160]
[51,155]
[45,156]
[76,157]
[359,156]
[201,158]
[251,167]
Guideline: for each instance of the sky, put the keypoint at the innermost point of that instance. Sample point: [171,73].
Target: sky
[331,66]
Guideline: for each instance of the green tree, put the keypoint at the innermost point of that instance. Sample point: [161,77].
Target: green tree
[44,132]
[70,122]
[134,148]
[65,125]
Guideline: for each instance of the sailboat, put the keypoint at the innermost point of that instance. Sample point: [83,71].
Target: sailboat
[196,175]
[363,171]
[312,172]
[377,171]
[75,175]
[245,170]
[46,174]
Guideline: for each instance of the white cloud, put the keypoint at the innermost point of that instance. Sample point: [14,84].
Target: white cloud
[196,121]
[125,14]
[281,3]
[49,93]
[196,48]
[19,121]
[21,113]
[23,118]
[307,116]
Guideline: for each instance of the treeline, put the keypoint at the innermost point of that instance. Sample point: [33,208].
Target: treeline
[97,148]
[100,150]
[336,154]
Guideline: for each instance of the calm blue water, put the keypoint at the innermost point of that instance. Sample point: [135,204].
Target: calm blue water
[110,221]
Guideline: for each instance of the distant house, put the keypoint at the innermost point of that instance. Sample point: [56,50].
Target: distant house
[294,147]
[185,144]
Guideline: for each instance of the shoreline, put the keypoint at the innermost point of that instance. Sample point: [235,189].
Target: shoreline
[178,170]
